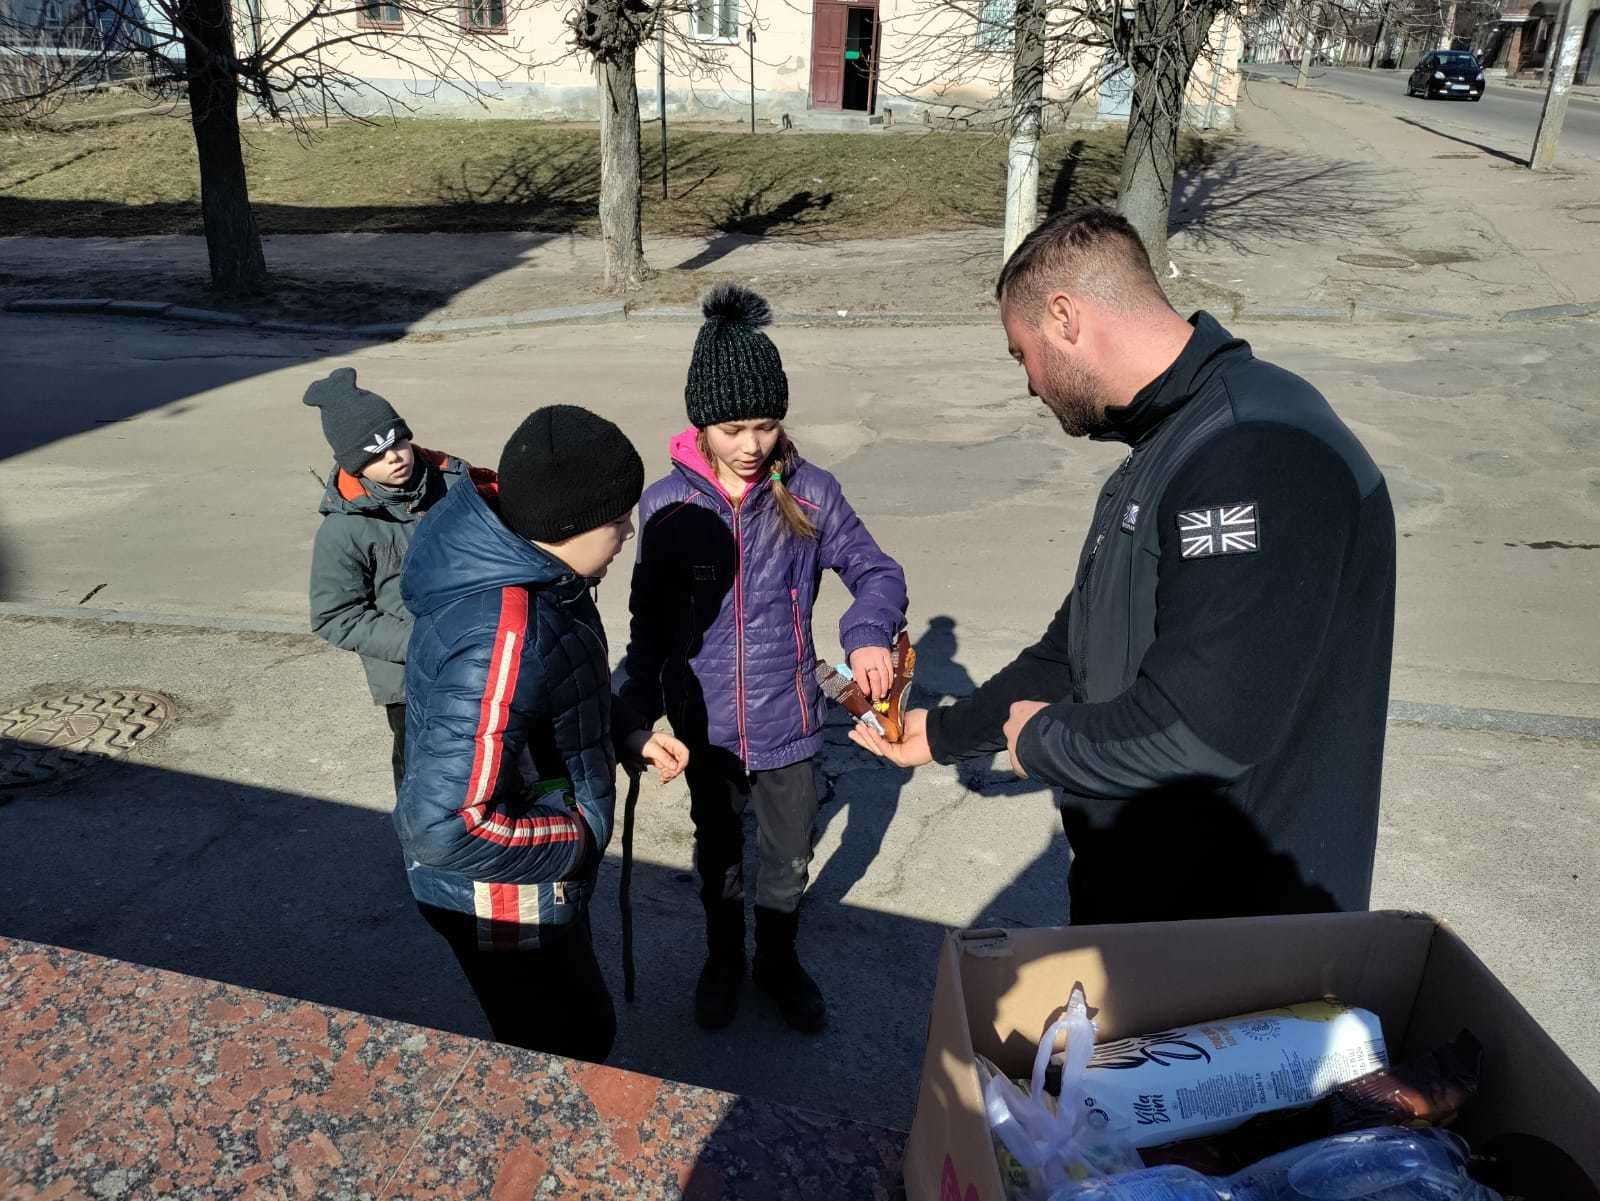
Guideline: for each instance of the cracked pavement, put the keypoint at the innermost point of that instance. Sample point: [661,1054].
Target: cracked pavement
[250,840]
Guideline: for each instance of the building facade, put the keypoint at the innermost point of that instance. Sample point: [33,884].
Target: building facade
[835,63]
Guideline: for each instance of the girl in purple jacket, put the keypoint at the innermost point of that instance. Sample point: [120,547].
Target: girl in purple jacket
[732,547]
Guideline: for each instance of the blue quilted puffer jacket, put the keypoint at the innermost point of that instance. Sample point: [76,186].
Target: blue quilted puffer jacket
[721,608]
[507,801]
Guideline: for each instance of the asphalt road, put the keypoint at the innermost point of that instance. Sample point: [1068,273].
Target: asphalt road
[169,474]
[1506,119]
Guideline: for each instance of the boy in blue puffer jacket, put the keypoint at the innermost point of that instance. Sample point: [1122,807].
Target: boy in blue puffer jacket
[735,540]
[506,808]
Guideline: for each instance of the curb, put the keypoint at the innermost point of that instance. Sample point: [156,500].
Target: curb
[160,311]
[616,310]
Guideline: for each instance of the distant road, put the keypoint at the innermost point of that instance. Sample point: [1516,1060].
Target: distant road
[1505,119]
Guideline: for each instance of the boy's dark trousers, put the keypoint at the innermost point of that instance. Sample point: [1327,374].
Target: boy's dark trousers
[553,999]
[785,803]
[397,756]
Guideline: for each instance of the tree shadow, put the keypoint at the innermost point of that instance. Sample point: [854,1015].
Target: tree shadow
[1492,152]
[1061,195]
[1248,194]
[550,190]
[753,215]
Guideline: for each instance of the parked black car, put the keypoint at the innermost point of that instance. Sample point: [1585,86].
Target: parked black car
[1451,74]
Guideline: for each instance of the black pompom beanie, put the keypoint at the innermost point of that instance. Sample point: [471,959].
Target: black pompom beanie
[736,373]
[359,425]
[566,471]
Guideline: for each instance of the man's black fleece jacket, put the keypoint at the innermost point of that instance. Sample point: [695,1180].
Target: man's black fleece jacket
[1218,675]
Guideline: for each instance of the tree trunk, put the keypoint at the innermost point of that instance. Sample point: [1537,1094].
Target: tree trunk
[1027,117]
[1377,42]
[1167,40]
[233,243]
[620,229]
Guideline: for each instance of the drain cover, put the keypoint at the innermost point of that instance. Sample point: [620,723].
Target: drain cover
[68,735]
[1374,260]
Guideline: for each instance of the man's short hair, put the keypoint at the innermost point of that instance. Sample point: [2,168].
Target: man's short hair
[1091,251]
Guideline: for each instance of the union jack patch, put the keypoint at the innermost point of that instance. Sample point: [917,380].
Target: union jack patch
[1224,530]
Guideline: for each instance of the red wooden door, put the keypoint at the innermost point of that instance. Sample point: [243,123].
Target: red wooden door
[828,24]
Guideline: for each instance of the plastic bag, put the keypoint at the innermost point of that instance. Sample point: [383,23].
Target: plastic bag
[1385,1164]
[1042,1142]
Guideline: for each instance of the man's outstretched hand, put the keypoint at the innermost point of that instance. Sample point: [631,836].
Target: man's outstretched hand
[911,751]
[1022,712]
[663,752]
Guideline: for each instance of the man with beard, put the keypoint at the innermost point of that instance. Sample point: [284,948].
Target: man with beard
[1210,700]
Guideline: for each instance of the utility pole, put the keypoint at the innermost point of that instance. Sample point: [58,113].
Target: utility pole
[1555,101]
[661,94]
[1027,117]
[750,36]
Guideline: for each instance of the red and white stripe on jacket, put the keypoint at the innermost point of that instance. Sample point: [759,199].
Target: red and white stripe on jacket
[494,714]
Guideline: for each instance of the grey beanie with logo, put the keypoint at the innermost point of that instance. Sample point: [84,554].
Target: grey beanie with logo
[359,425]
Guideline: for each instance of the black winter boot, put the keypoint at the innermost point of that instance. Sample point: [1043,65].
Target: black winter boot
[716,996]
[778,971]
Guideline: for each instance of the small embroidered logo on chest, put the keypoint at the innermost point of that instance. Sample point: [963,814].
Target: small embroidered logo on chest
[1130,517]
[1232,529]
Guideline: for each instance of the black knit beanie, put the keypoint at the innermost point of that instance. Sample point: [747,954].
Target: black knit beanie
[566,471]
[358,424]
[736,373]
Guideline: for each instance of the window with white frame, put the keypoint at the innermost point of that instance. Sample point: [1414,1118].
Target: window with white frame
[716,20]
[996,19]
[483,16]
[381,14]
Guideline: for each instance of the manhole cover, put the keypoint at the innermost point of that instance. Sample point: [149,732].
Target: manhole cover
[68,735]
[1374,260]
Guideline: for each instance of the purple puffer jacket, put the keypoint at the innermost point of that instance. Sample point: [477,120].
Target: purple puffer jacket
[722,597]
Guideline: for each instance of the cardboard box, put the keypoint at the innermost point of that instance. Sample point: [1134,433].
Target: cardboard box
[998,989]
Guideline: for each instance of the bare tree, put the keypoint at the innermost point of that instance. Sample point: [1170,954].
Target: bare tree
[282,63]
[611,34]
[947,48]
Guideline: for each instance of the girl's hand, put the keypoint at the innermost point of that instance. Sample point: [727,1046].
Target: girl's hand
[873,670]
[667,755]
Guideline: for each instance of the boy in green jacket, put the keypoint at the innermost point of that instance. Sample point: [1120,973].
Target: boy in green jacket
[378,490]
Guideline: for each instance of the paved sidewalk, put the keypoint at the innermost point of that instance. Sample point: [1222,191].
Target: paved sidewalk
[172,470]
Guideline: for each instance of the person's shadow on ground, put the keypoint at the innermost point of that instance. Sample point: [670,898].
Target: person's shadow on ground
[868,811]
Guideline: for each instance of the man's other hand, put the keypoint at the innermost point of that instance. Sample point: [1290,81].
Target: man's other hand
[1022,712]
